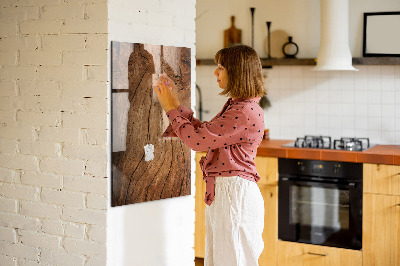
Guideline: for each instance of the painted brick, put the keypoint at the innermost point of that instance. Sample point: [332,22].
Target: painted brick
[62,12]
[61,259]
[29,2]
[8,58]
[7,117]
[98,169]
[25,262]
[34,239]
[40,148]
[19,13]
[17,161]
[19,43]
[7,88]
[8,261]
[60,73]
[8,234]
[98,42]
[8,205]
[98,73]
[85,121]
[63,197]
[97,11]
[85,152]
[86,184]
[68,135]
[39,118]
[16,132]
[84,26]
[19,251]
[53,227]
[8,146]
[94,201]
[87,88]
[84,216]
[39,87]
[99,260]
[18,72]
[39,58]
[40,27]
[7,175]
[18,191]
[84,247]
[75,230]
[62,166]
[26,103]
[97,234]
[89,57]
[41,179]
[68,42]
[19,221]
[96,137]
[55,103]
[38,209]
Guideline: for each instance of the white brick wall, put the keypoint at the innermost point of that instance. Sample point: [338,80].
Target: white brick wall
[53,132]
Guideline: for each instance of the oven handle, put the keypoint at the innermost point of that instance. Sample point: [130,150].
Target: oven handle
[329,184]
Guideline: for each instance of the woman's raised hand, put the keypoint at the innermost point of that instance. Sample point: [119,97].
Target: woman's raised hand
[164,93]
[174,90]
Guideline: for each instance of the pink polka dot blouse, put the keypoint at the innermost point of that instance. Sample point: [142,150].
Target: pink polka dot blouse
[231,139]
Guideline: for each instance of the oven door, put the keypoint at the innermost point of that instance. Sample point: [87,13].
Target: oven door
[321,212]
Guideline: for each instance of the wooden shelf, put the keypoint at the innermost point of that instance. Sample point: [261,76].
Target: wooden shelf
[312,61]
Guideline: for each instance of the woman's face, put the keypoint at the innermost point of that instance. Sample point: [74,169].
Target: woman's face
[222,76]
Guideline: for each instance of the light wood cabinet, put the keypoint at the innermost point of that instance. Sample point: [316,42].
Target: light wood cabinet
[381,230]
[298,254]
[381,179]
[200,207]
[270,233]
[381,215]
[267,168]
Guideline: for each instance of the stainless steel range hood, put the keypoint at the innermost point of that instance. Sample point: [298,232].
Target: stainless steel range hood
[334,51]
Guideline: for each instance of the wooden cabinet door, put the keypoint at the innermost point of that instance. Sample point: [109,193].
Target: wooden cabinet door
[381,179]
[200,207]
[381,230]
[270,233]
[298,254]
[267,168]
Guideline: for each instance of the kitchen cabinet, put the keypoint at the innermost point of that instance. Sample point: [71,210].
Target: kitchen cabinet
[381,215]
[298,254]
[200,207]
[381,179]
[267,168]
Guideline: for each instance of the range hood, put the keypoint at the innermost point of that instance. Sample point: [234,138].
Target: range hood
[334,51]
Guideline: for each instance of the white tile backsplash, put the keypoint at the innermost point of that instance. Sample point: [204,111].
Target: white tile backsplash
[364,103]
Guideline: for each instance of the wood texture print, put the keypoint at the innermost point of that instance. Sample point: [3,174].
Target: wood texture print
[145,166]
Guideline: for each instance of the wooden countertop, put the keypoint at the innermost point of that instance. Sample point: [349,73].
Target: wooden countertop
[379,154]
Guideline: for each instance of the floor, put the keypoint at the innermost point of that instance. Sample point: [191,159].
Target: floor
[199,262]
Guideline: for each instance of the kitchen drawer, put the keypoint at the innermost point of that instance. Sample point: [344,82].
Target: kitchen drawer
[298,254]
[381,179]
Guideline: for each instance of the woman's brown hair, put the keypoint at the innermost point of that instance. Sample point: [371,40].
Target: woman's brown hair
[245,78]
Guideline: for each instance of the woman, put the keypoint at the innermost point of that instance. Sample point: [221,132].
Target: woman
[235,207]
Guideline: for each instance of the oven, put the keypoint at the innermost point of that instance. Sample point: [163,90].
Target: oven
[320,202]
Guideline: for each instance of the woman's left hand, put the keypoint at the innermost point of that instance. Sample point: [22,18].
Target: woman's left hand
[163,91]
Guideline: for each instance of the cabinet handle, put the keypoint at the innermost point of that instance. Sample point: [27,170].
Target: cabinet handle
[398,204]
[318,254]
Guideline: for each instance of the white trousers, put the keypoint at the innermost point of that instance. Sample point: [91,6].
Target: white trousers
[234,223]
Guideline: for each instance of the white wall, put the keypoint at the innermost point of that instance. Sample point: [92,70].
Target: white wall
[53,109]
[158,232]
[338,104]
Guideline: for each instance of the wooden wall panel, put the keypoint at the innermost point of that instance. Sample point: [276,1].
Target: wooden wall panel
[138,122]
